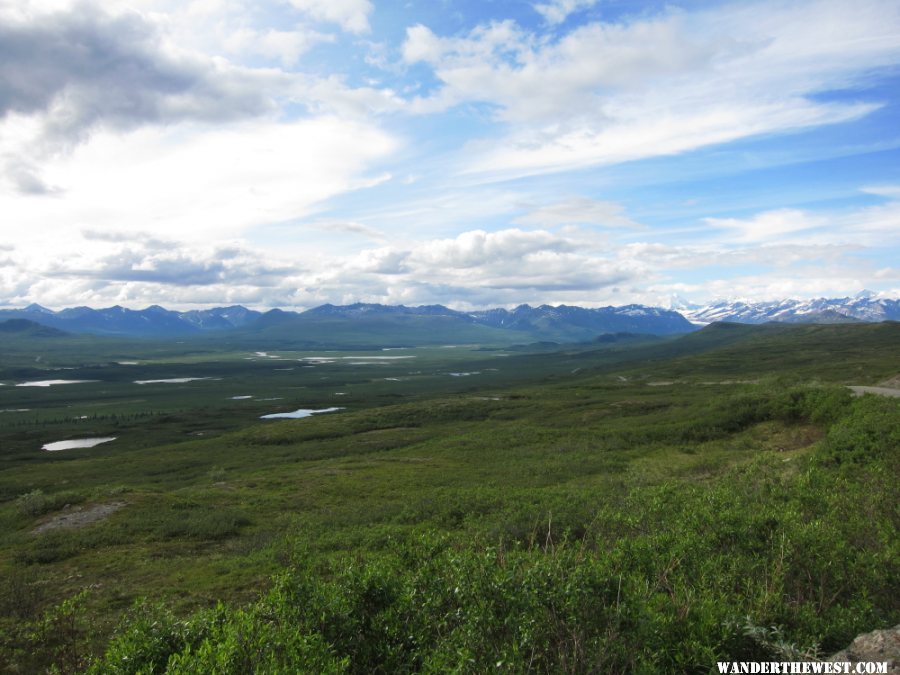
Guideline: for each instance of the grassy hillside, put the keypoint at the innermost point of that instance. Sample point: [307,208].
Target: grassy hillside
[643,509]
[317,331]
[833,353]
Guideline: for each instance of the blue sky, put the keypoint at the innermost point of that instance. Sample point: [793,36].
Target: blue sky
[294,152]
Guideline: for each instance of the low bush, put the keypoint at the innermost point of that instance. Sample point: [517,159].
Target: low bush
[759,565]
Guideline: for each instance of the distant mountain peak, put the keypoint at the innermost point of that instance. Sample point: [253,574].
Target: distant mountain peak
[818,310]
[677,302]
[153,321]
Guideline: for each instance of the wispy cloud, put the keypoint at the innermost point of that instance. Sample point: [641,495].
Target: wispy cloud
[351,15]
[350,228]
[606,93]
[578,211]
[215,182]
[557,11]
[868,225]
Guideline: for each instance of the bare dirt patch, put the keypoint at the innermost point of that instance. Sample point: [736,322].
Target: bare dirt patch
[881,391]
[78,516]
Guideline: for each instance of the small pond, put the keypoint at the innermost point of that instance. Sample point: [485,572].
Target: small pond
[79,443]
[297,414]
[173,380]
[50,383]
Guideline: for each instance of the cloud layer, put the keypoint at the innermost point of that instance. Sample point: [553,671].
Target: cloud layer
[295,152]
[611,92]
[473,269]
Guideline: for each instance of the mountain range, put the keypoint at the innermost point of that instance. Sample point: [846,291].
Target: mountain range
[368,324]
[863,307]
[373,323]
[153,321]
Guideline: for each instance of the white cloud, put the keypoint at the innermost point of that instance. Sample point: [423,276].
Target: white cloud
[870,226]
[349,227]
[612,92]
[823,282]
[84,67]
[351,15]
[637,135]
[557,11]
[384,260]
[332,94]
[476,268]
[578,211]
[485,43]
[285,46]
[201,182]
[478,248]
[767,226]
[892,191]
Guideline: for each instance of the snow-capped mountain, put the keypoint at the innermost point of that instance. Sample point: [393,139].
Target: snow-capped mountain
[865,306]
[563,323]
[680,304]
[579,323]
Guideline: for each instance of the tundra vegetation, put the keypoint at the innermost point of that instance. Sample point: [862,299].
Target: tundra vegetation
[607,507]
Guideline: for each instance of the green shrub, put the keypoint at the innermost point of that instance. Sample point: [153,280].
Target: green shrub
[37,503]
[33,503]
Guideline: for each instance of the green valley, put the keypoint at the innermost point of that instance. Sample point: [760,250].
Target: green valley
[633,505]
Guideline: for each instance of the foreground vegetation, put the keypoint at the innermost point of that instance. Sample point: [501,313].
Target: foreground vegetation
[603,521]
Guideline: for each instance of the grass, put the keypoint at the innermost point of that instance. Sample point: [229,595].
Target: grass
[606,518]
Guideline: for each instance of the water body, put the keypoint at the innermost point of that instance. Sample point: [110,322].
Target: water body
[50,383]
[359,360]
[297,414]
[174,380]
[80,443]
[378,358]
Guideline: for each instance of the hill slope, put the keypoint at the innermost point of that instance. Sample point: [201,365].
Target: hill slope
[153,321]
[23,328]
[356,326]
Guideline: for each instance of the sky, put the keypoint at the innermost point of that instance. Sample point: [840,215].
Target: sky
[472,153]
